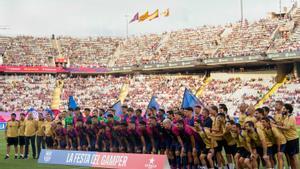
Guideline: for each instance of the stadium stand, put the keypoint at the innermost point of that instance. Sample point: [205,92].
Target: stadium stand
[191,44]
[94,94]
[28,51]
[267,35]
[289,35]
[87,52]
[234,89]
[248,39]
[138,50]
[103,91]
[288,93]
[21,92]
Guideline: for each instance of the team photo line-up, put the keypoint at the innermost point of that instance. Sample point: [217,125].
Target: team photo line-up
[191,137]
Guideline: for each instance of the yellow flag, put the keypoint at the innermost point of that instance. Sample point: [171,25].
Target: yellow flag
[166,13]
[123,93]
[153,15]
[57,94]
[143,17]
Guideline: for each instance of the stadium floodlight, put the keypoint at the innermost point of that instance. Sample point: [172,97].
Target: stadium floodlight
[280,8]
[126,18]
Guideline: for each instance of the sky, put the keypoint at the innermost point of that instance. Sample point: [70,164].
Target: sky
[82,18]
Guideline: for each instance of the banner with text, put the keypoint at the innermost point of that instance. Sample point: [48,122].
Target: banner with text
[31,69]
[86,70]
[284,55]
[104,160]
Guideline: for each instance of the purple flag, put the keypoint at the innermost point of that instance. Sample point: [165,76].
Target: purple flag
[135,17]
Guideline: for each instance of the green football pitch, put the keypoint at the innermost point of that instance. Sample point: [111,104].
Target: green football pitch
[30,163]
[11,163]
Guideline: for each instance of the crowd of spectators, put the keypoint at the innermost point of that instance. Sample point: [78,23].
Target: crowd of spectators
[191,44]
[28,51]
[247,38]
[103,91]
[266,35]
[22,92]
[287,42]
[288,39]
[269,35]
[138,50]
[167,88]
[288,93]
[234,91]
[97,91]
[88,52]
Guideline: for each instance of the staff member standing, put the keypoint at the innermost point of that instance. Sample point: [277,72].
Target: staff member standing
[40,134]
[30,132]
[48,131]
[11,135]
[22,135]
[289,130]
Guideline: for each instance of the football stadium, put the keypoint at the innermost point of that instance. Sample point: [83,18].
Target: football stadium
[165,84]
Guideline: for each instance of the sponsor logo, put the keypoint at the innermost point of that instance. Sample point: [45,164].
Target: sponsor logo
[175,64]
[48,155]
[148,66]
[290,54]
[185,63]
[209,61]
[223,60]
[238,59]
[151,164]
[114,69]
[254,57]
[160,65]
[274,55]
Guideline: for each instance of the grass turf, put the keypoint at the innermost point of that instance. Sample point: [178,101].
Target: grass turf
[31,163]
[11,163]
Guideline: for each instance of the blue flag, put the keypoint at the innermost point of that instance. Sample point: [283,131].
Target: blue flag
[72,103]
[118,108]
[189,99]
[49,111]
[35,114]
[30,110]
[153,103]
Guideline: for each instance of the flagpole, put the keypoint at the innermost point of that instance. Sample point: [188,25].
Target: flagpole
[126,18]
[279,8]
[242,12]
